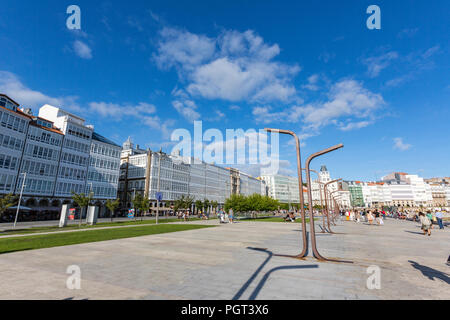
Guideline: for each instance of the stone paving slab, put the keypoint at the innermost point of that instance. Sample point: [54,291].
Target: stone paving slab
[217,263]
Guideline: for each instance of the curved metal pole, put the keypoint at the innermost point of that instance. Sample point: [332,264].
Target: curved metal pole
[304,252]
[334,203]
[321,201]
[326,202]
[311,212]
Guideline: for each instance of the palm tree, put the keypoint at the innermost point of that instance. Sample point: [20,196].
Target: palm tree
[198,205]
[214,205]
[112,205]
[7,201]
[82,201]
[144,206]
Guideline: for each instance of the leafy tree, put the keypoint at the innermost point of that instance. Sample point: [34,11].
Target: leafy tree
[198,205]
[112,205]
[214,204]
[83,201]
[206,204]
[188,201]
[7,201]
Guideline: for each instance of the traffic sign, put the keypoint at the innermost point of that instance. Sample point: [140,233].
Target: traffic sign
[159,196]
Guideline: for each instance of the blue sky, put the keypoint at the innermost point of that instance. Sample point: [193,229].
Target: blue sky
[145,68]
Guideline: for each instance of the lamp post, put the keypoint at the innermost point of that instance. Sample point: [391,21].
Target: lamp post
[326,201]
[158,185]
[20,197]
[304,252]
[311,212]
[321,202]
[333,204]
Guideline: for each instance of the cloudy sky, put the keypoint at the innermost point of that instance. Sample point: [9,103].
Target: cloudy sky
[146,68]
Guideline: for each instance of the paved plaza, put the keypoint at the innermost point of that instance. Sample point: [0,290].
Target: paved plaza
[239,261]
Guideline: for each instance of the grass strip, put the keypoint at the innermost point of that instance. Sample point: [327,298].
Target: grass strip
[8,245]
[85,226]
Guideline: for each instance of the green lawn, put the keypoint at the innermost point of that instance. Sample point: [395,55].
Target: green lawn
[84,226]
[8,245]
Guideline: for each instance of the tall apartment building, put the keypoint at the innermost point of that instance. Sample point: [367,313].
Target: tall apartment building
[178,176]
[56,150]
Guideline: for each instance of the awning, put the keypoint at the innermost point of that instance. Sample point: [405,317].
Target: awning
[21,208]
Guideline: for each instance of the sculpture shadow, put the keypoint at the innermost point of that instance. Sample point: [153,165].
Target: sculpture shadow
[266,276]
[421,233]
[430,273]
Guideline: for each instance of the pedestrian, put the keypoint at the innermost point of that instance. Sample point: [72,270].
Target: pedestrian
[370,217]
[426,223]
[377,217]
[230,215]
[439,219]
[430,216]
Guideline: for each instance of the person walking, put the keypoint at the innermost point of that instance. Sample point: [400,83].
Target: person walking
[370,217]
[426,223]
[439,219]
[430,216]
[230,215]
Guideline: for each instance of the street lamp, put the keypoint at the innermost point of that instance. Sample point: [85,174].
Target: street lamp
[321,202]
[326,201]
[20,197]
[311,212]
[304,252]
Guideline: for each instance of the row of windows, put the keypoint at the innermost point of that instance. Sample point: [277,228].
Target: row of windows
[74,145]
[103,150]
[65,188]
[74,159]
[103,177]
[71,173]
[41,152]
[40,135]
[104,164]
[78,132]
[138,184]
[136,172]
[8,162]
[104,192]
[12,122]
[37,186]
[7,182]
[11,142]
[38,168]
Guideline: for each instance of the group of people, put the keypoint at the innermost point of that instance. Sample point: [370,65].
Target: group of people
[226,217]
[368,215]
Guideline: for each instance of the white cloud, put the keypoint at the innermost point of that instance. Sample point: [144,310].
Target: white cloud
[346,98]
[187,109]
[82,49]
[400,145]
[354,125]
[376,64]
[117,111]
[234,66]
[11,85]
[312,83]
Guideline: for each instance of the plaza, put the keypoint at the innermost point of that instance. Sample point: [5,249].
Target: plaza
[239,261]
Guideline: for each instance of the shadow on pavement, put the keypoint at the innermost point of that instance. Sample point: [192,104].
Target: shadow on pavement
[421,233]
[266,275]
[430,273]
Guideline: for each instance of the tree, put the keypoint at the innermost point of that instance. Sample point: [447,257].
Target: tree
[144,206]
[137,203]
[82,201]
[198,205]
[214,205]
[7,201]
[188,201]
[206,204]
[112,205]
